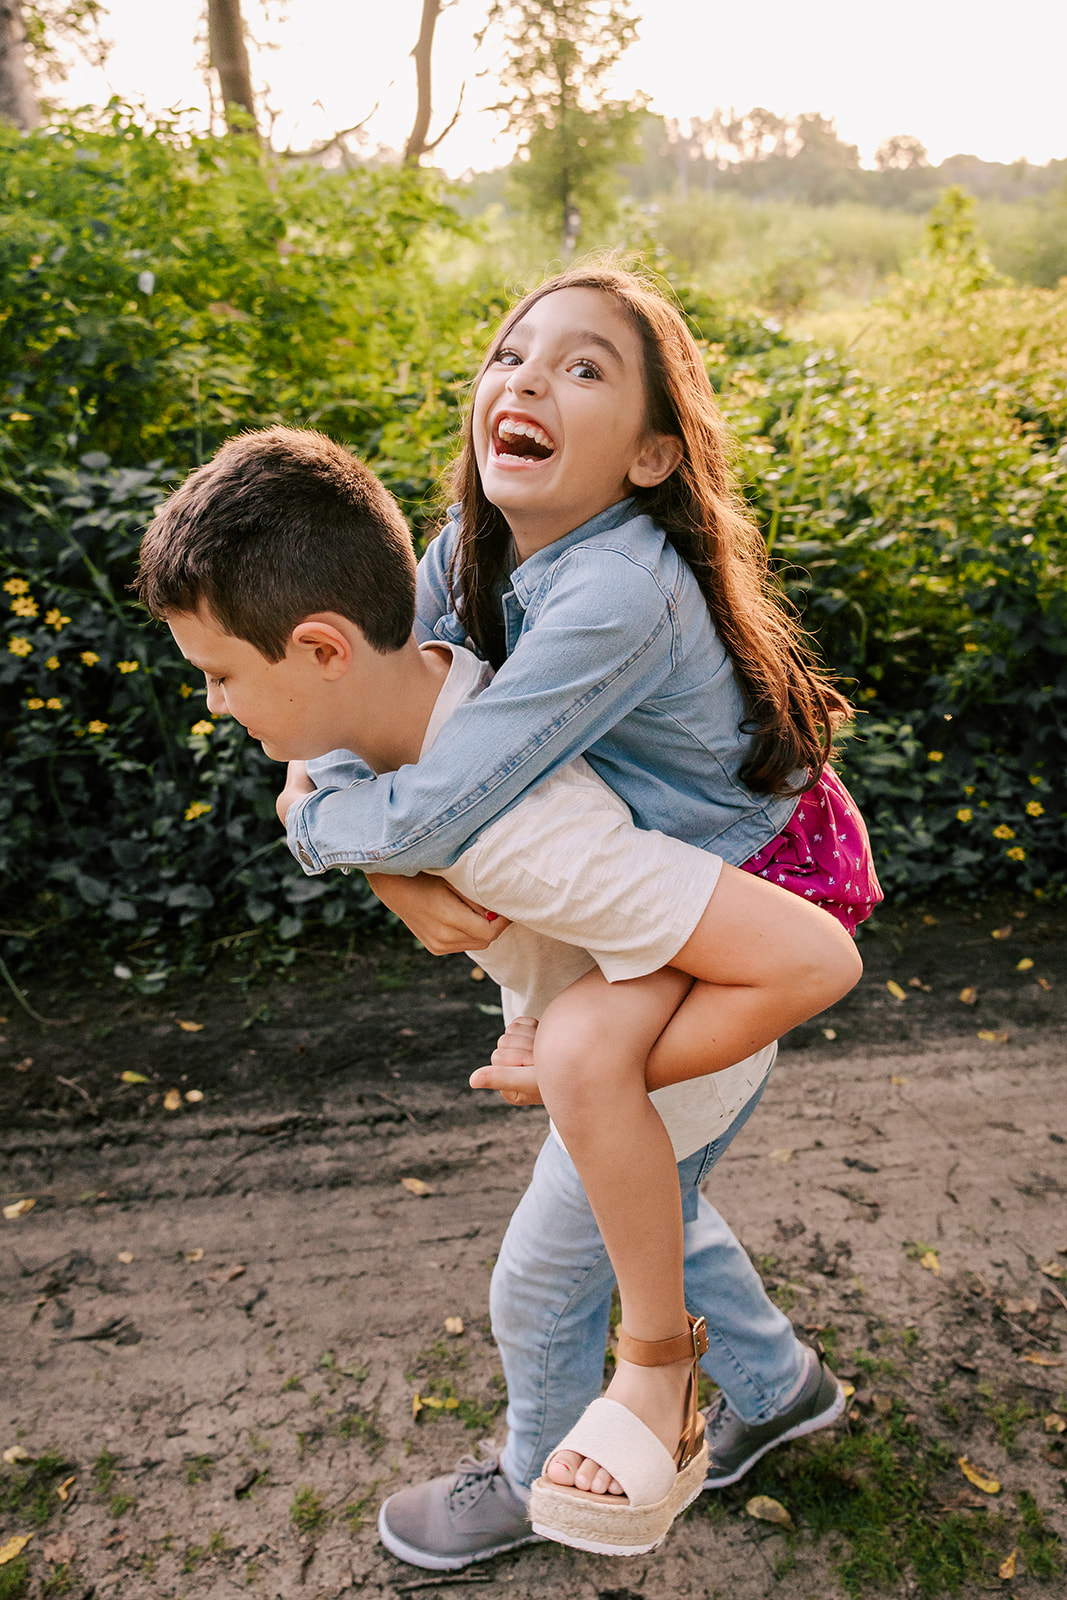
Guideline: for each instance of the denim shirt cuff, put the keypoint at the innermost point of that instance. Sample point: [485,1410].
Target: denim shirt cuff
[299,839]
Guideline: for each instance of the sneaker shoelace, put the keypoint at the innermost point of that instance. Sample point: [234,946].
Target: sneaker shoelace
[472,1475]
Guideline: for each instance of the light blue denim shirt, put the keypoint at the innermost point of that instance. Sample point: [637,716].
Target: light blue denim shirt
[611,654]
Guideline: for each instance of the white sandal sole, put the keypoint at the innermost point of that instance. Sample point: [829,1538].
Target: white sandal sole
[607,1524]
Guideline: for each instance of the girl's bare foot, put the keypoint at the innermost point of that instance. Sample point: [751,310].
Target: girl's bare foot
[654,1394]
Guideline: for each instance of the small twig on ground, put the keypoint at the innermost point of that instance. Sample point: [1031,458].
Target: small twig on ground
[473,1576]
[1053,1290]
[48,1022]
[397,1106]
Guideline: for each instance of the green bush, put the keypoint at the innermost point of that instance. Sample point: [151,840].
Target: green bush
[912,494]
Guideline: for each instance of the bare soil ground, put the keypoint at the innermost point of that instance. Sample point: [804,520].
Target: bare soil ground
[215,1319]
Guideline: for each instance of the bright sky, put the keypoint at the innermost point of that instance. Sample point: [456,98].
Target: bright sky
[961,75]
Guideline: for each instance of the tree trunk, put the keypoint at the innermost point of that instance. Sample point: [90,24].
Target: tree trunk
[424,110]
[229,57]
[18,98]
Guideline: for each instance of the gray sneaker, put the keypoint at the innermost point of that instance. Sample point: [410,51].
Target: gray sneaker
[734,1446]
[468,1515]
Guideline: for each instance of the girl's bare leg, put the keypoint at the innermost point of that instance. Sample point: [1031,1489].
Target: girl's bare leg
[590,1054]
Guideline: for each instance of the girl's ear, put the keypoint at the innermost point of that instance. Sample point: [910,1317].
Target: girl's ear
[657,458]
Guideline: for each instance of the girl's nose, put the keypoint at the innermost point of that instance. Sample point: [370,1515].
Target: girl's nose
[216,700]
[527,379]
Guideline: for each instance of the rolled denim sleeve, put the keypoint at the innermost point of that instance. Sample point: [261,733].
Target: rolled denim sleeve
[597,641]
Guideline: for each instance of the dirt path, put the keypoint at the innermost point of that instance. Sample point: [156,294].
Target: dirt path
[216,1319]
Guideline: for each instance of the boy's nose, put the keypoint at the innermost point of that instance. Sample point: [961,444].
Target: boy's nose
[216,700]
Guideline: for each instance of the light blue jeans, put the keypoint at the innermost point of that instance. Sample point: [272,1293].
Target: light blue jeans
[551,1295]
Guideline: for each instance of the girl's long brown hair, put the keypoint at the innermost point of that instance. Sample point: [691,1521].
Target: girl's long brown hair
[792,706]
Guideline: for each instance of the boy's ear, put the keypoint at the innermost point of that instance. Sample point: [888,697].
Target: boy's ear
[329,644]
[657,458]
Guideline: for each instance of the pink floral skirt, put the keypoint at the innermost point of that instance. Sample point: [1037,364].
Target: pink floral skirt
[824,854]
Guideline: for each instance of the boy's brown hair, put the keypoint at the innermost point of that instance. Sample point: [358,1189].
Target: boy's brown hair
[280,524]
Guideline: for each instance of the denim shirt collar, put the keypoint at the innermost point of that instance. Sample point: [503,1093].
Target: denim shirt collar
[526,578]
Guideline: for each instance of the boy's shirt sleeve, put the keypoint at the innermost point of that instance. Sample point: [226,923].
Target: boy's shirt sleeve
[601,643]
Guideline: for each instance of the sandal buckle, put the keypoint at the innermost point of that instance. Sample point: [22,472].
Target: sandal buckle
[699,1330]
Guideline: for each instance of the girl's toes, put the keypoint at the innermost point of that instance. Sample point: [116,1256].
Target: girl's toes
[563,1467]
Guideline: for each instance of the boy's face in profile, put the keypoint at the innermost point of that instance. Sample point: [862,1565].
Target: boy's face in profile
[284,704]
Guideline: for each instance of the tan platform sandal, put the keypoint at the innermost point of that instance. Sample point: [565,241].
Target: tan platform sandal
[657,1485]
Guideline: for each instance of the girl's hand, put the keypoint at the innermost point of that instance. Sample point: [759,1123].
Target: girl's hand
[297,785]
[438,917]
[511,1069]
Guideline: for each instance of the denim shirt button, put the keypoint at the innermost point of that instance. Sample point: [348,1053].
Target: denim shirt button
[304,856]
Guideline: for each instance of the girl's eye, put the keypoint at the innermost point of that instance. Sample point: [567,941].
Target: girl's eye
[586,369]
[506,358]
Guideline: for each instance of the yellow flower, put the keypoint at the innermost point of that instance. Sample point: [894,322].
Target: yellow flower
[129,666]
[16,586]
[1016,853]
[24,605]
[199,808]
[1034,779]
[52,663]
[1034,808]
[964,815]
[89,658]
[98,727]
[970,647]
[1004,832]
[935,755]
[19,647]
[53,704]
[185,690]
[202,727]
[55,619]
[21,416]
[968,789]
[35,704]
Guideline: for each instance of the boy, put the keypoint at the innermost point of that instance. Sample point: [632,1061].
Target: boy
[286,573]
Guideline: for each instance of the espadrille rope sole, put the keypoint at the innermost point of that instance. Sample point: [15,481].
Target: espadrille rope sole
[607,1524]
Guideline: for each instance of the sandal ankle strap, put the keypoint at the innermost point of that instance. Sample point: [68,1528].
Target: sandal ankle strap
[664,1352]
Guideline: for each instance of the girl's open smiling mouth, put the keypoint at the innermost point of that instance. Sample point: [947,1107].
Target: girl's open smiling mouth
[518,440]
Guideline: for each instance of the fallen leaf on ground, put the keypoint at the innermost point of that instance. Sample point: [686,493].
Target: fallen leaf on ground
[15,1453]
[172,1100]
[780,1155]
[420,1402]
[1044,983]
[491,1011]
[980,1481]
[1013,1304]
[829,1033]
[61,1550]
[454,1326]
[227,1274]
[18,1208]
[191,1027]
[969,996]
[993,1035]
[931,922]
[764,1509]
[1024,965]
[1054,1423]
[125,1256]
[1037,1358]
[930,1262]
[13,1547]
[1052,1269]
[133,1077]
[63,1489]
[900,1082]
[194,1255]
[895,990]
[416,1186]
[477,974]
[24,1065]
[1003,933]
[848,1390]
[1007,1566]
[194,1096]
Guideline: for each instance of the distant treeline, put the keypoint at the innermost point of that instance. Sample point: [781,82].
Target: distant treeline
[761,155]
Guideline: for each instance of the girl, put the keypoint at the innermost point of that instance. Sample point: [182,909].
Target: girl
[603,563]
